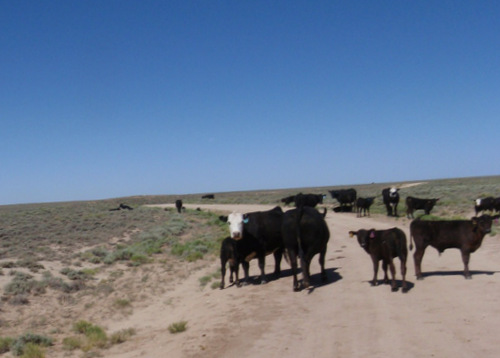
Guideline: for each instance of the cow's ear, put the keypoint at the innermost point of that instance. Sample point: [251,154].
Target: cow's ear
[372,233]
[352,233]
[474,223]
[223,218]
[246,219]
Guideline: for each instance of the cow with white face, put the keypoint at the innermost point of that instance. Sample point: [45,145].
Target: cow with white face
[391,200]
[256,234]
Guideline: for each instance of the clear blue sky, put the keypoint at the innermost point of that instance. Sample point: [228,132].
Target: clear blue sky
[102,99]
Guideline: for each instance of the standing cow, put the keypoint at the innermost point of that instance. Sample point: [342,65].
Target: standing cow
[413,204]
[305,234]
[465,235]
[390,197]
[384,245]
[486,204]
[363,205]
[256,234]
[346,198]
[178,205]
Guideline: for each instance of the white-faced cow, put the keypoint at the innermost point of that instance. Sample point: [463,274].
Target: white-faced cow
[363,205]
[305,234]
[486,204]
[384,245]
[391,200]
[413,204]
[256,234]
[465,235]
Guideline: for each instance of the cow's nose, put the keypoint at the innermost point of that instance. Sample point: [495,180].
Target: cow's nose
[236,235]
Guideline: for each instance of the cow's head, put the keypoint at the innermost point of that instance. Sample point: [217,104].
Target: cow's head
[364,237]
[483,223]
[393,192]
[236,222]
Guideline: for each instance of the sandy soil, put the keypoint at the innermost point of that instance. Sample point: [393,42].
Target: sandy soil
[442,316]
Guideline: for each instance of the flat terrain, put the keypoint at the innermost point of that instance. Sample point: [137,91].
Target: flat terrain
[442,316]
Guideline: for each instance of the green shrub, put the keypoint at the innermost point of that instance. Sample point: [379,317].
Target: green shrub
[19,346]
[121,336]
[177,327]
[5,343]
[32,350]
[72,343]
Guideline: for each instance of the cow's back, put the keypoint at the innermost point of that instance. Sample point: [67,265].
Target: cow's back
[441,234]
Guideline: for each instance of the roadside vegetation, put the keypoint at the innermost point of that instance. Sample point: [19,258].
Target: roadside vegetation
[91,262]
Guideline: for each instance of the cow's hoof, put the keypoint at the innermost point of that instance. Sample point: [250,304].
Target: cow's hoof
[420,278]
[394,289]
[468,277]
[373,283]
[405,290]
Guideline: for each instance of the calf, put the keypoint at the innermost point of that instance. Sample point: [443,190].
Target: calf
[465,235]
[228,255]
[363,205]
[305,234]
[256,234]
[178,205]
[384,245]
[413,204]
[391,200]
[346,197]
[484,204]
[310,200]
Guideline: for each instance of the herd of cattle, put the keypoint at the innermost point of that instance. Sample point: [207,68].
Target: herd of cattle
[301,233]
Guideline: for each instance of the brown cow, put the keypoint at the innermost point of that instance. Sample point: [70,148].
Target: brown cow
[384,245]
[465,235]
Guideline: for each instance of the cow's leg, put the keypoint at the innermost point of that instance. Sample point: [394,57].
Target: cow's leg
[223,272]
[417,258]
[262,264]
[304,264]
[384,267]
[232,269]
[403,273]
[278,254]
[246,267]
[394,288]
[293,263]
[375,272]
[465,259]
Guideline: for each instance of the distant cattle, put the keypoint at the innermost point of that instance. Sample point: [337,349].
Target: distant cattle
[496,205]
[486,204]
[178,205]
[346,197]
[310,200]
[465,235]
[390,197]
[257,234]
[208,196]
[384,245]
[413,204]
[288,200]
[228,255]
[305,234]
[363,205]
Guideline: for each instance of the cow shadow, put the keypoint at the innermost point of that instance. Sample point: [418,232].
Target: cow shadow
[399,284]
[457,273]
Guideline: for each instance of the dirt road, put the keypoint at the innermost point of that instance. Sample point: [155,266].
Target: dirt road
[442,316]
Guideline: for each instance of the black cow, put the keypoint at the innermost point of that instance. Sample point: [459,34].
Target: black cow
[391,200]
[178,205]
[208,196]
[465,235]
[496,205]
[122,207]
[288,200]
[363,205]
[257,234]
[228,255]
[384,245]
[484,204]
[310,200]
[305,234]
[346,197]
[413,204]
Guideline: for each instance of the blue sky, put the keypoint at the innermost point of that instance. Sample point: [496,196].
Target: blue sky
[103,99]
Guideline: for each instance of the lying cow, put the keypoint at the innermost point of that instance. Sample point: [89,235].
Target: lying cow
[208,196]
[305,234]
[486,204]
[384,245]
[390,197]
[256,234]
[228,255]
[363,205]
[413,204]
[465,235]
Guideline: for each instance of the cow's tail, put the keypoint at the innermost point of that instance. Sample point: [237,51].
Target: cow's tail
[411,241]
[300,213]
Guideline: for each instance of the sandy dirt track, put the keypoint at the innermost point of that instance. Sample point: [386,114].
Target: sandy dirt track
[442,316]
